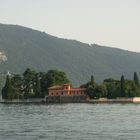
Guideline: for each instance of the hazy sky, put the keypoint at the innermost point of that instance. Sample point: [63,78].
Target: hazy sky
[113,23]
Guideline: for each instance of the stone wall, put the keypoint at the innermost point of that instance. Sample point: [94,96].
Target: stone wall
[136,99]
[117,100]
[31,100]
[66,99]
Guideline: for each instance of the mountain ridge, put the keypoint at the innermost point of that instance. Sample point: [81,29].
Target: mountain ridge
[68,39]
[25,47]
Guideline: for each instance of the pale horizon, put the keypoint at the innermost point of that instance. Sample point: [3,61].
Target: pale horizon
[108,23]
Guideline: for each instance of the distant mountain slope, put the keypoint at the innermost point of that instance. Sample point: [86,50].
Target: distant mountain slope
[25,47]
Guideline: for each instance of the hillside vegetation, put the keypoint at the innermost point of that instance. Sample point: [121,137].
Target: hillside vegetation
[28,48]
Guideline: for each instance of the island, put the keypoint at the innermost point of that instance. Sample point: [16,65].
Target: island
[54,86]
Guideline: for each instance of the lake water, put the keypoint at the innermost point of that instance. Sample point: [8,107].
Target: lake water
[70,122]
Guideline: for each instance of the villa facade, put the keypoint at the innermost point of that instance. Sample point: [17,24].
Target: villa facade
[66,93]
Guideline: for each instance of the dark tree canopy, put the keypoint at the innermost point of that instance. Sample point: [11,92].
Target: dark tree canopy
[136,79]
[122,86]
[32,84]
[92,79]
[38,86]
[8,91]
[55,77]
[112,88]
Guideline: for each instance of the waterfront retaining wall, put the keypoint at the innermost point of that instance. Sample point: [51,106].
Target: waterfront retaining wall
[117,100]
[31,100]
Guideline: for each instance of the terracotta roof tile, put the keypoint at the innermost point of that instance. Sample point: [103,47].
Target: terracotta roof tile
[55,87]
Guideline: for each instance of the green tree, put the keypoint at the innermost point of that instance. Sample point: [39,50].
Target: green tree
[55,77]
[122,86]
[38,87]
[136,79]
[131,89]
[90,83]
[109,80]
[52,77]
[101,91]
[92,80]
[16,81]
[29,79]
[113,88]
[90,86]
[91,92]
[29,75]
[8,92]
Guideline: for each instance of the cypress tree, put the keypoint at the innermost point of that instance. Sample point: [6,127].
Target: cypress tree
[92,80]
[8,91]
[122,86]
[4,89]
[136,79]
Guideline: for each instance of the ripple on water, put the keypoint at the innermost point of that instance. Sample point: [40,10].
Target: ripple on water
[70,122]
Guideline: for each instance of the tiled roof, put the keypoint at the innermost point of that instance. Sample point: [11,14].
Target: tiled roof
[61,87]
[55,87]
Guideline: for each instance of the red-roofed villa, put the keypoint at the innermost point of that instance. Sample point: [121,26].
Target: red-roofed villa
[66,93]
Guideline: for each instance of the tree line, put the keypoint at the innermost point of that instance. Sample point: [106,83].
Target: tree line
[32,84]
[111,88]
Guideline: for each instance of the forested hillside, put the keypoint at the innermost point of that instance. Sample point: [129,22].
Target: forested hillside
[25,47]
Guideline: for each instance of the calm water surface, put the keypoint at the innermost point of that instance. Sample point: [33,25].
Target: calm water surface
[70,122]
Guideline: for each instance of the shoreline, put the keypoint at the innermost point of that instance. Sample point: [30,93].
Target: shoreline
[100,100]
[117,100]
